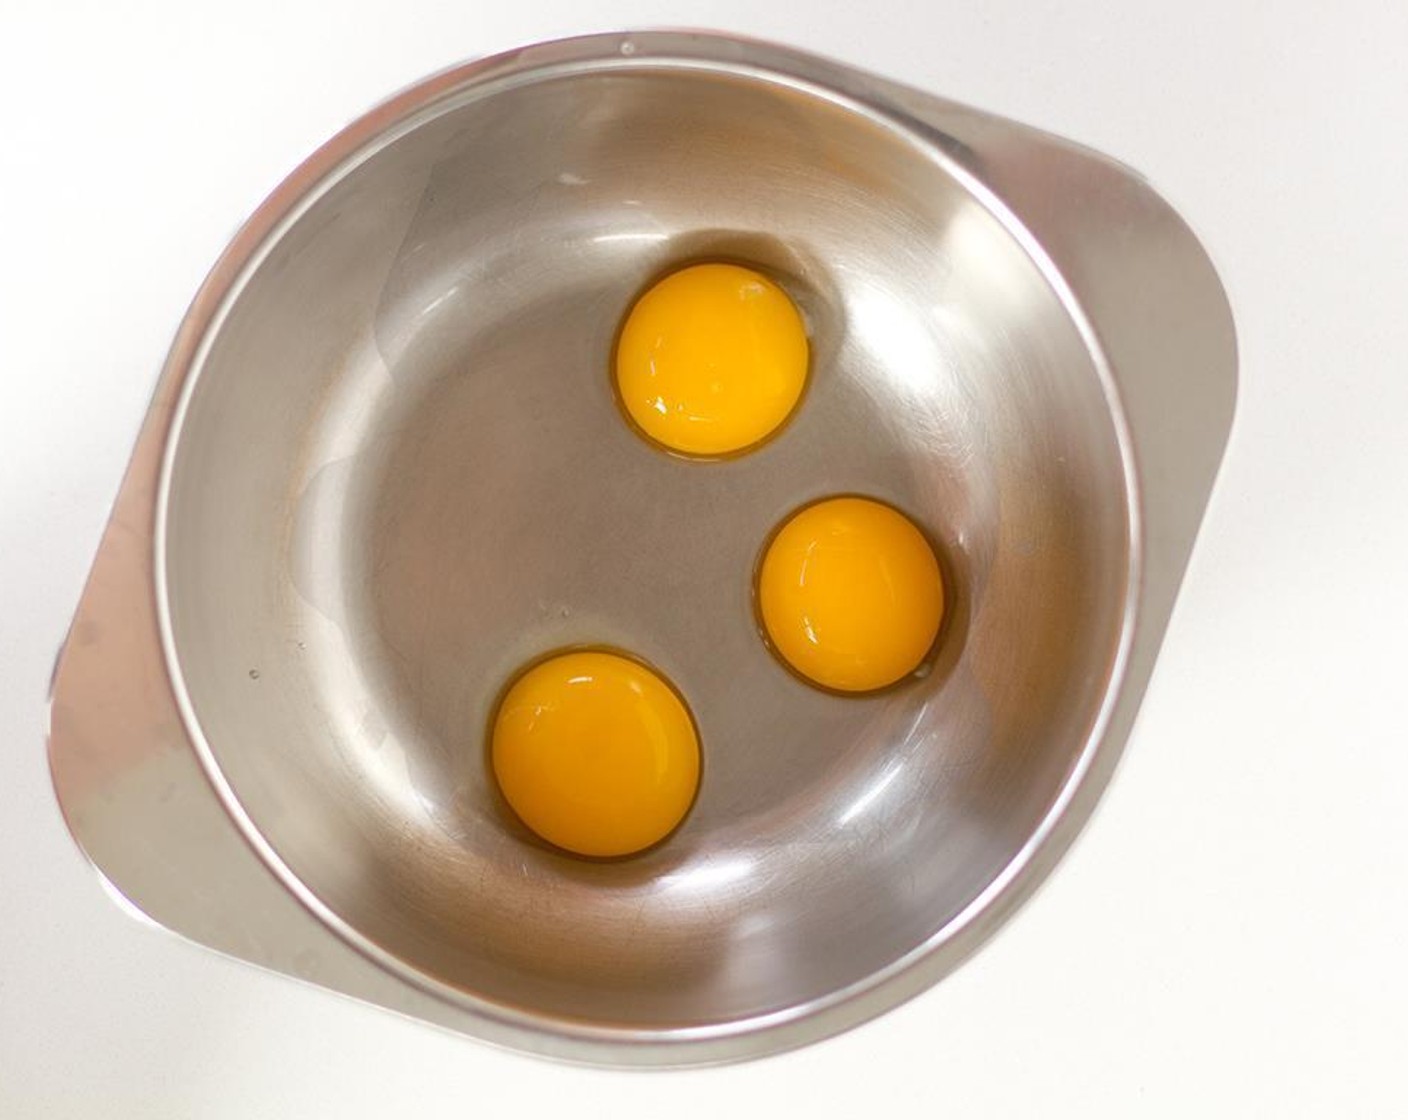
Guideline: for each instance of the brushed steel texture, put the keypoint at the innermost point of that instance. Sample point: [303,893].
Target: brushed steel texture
[384,468]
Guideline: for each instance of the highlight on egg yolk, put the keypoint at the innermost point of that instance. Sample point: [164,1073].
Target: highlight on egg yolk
[596,753]
[850,594]
[711,360]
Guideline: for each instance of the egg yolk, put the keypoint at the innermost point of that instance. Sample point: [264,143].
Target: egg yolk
[711,360]
[596,753]
[850,594]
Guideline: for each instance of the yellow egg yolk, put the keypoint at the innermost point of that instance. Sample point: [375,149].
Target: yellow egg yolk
[711,360]
[850,594]
[596,753]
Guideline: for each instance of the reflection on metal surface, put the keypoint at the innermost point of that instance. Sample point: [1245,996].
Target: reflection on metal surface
[395,471]
[608,238]
[872,791]
[709,877]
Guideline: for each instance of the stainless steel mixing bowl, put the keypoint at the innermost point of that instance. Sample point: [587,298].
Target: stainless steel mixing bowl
[395,472]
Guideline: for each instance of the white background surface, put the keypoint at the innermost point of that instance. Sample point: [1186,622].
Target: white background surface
[1229,936]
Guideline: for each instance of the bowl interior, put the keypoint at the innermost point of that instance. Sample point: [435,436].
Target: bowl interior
[401,474]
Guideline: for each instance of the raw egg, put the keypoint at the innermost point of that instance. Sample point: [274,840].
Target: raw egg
[850,594]
[711,360]
[596,753]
